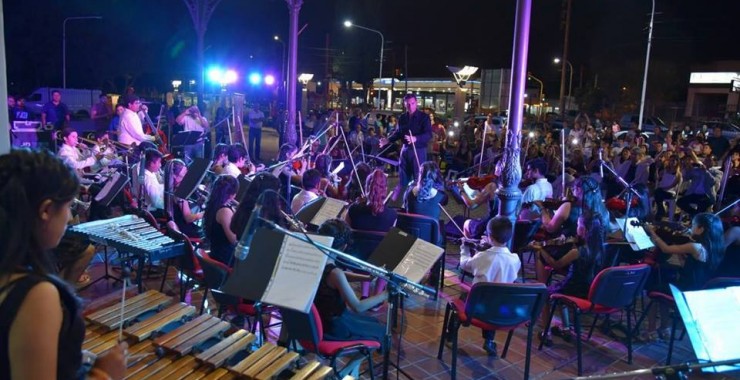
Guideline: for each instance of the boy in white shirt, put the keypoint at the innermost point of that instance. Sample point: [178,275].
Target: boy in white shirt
[495,264]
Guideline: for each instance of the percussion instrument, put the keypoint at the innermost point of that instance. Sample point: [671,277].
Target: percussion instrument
[131,234]
[167,346]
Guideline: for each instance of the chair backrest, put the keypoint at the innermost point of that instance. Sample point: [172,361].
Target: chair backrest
[215,272]
[306,328]
[722,282]
[364,243]
[524,231]
[618,287]
[421,226]
[187,262]
[505,305]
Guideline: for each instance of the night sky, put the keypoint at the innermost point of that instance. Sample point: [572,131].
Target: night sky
[148,43]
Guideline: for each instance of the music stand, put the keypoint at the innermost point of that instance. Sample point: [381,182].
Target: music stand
[196,172]
[111,189]
[186,138]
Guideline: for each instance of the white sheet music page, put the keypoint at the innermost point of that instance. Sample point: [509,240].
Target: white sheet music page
[297,273]
[330,209]
[418,260]
[716,313]
[635,235]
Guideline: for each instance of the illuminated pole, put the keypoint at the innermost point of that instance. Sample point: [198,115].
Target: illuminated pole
[4,132]
[509,193]
[647,65]
[282,67]
[565,59]
[294,9]
[64,43]
[570,79]
[382,44]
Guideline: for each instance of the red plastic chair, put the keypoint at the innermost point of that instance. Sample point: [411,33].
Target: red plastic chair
[307,330]
[613,290]
[495,306]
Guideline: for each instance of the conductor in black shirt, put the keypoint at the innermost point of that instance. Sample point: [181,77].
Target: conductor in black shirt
[415,128]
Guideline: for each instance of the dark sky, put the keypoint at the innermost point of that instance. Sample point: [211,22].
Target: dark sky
[149,43]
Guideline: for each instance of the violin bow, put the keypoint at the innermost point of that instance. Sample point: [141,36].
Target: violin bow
[482,147]
[451,218]
[413,145]
[352,160]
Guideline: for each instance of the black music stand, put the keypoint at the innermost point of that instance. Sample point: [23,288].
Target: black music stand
[111,189]
[196,172]
[183,139]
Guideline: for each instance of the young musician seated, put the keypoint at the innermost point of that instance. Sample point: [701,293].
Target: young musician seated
[689,266]
[263,190]
[354,189]
[336,301]
[179,209]
[71,154]
[329,185]
[310,181]
[153,185]
[220,158]
[289,174]
[581,265]
[424,198]
[237,160]
[475,228]
[218,217]
[540,190]
[372,214]
[495,264]
[41,327]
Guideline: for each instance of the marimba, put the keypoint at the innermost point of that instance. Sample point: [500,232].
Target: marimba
[164,343]
[132,234]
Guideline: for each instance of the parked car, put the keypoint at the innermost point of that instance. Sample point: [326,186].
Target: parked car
[729,130]
[648,122]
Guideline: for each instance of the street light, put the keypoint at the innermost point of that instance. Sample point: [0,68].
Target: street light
[64,43]
[282,63]
[570,67]
[349,24]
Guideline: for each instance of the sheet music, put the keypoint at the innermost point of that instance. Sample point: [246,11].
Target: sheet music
[715,312]
[297,273]
[418,260]
[635,235]
[330,209]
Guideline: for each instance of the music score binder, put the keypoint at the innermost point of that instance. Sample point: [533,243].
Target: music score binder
[407,255]
[279,270]
[710,317]
[320,210]
[196,172]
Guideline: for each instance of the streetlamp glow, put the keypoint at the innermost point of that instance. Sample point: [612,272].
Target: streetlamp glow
[349,24]
[305,78]
[176,84]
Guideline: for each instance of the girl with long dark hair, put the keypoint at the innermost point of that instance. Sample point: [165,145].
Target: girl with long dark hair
[179,209]
[425,196]
[218,218]
[41,327]
[264,189]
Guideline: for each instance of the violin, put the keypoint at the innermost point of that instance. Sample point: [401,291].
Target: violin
[477,245]
[477,183]
[671,233]
[554,204]
[559,246]
[619,204]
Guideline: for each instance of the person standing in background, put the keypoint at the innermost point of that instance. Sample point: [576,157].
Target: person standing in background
[55,112]
[101,113]
[256,118]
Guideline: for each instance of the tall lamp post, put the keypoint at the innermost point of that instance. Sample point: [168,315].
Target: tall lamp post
[349,24]
[282,64]
[647,66]
[64,43]
[542,90]
[570,67]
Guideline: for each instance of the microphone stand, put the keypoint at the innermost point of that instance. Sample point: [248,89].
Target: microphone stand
[669,372]
[395,283]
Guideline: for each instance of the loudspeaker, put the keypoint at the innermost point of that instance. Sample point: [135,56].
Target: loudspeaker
[33,139]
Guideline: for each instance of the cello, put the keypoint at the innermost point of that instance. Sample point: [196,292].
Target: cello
[160,138]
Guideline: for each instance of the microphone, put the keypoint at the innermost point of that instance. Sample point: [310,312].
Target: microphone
[601,163]
[242,247]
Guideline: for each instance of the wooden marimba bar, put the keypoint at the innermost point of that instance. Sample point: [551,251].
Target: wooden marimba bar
[202,348]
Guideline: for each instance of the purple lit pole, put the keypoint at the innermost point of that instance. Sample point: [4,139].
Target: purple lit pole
[294,9]
[509,193]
